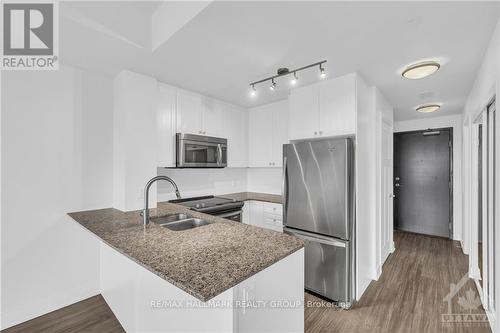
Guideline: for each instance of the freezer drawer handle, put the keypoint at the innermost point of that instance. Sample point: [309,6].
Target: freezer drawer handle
[317,239]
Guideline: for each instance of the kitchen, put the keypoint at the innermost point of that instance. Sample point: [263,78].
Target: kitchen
[162,172]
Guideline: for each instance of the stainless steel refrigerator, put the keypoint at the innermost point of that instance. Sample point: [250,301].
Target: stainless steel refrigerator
[318,190]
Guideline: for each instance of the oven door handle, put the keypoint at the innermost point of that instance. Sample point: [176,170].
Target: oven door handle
[238,212]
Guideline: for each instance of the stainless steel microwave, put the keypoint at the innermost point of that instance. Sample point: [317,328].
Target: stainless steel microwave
[199,151]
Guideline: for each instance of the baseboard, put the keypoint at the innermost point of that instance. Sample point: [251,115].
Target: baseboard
[489,314]
[474,273]
[393,247]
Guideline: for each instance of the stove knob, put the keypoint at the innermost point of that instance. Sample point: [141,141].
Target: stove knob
[203,205]
[197,206]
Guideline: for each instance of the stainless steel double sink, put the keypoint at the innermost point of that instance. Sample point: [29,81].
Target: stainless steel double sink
[178,222]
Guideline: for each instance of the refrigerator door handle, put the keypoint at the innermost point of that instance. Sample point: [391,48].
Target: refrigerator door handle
[315,238]
[284,189]
[347,190]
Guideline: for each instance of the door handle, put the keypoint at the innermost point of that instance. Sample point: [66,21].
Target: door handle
[284,188]
[219,154]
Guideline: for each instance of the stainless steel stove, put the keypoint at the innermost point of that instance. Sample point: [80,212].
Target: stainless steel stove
[221,207]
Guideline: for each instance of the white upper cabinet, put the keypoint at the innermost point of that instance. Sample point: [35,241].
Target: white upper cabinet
[165,122]
[212,115]
[268,131]
[280,132]
[324,109]
[304,112]
[197,114]
[337,106]
[260,152]
[189,113]
[234,128]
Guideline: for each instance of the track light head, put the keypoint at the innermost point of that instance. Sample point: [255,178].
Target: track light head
[253,91]
[322,72]
[294,79]
[273,85]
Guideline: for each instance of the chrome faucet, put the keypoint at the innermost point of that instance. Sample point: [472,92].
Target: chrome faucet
[145,212]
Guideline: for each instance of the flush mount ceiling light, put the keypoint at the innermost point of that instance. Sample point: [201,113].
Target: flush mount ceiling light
[285,71]
[428,108]
[421,70]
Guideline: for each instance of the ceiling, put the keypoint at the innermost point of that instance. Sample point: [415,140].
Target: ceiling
[230,44]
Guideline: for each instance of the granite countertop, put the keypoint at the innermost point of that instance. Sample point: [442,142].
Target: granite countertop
[244,196]
[203,261]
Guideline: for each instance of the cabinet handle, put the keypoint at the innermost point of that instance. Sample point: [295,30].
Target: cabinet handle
[315,133]
[320,132]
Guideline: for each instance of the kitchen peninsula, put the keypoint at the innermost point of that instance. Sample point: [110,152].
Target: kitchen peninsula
[225,276]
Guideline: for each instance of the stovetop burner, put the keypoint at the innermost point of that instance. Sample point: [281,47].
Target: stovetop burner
[209,204]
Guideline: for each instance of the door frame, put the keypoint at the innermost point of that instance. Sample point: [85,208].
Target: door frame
[384,198]
[489,258]
[450,168]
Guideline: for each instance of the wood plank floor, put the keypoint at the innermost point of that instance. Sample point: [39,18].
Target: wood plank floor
[408,297]
[91,315]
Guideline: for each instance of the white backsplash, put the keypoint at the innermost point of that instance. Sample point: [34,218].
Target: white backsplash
[197,182]
[264,180]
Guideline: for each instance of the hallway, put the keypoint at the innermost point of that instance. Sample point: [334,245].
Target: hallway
[409,295]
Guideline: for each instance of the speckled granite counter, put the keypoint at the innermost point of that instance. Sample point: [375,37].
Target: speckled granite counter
[203,261]
[244,196]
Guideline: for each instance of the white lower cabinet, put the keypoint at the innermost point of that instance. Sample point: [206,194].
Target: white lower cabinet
[263,214]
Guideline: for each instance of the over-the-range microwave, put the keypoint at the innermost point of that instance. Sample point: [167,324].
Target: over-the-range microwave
[199,151]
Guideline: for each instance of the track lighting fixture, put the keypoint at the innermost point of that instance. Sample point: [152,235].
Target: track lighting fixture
[285,71]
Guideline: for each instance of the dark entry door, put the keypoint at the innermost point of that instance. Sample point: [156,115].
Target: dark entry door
[422,182]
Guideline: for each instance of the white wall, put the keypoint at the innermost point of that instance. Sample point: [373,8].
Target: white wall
[366,187]
[134,140]
[198,182]
[265,180]
[454,121]
[56,158]
[486,85]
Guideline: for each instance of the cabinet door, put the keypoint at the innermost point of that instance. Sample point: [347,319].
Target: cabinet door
[235,128]
[280,132]
[212,115]
[165,123]
[189,113]
[246,213]
[260,138]
[304,112]
[256,213]
[337,106]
